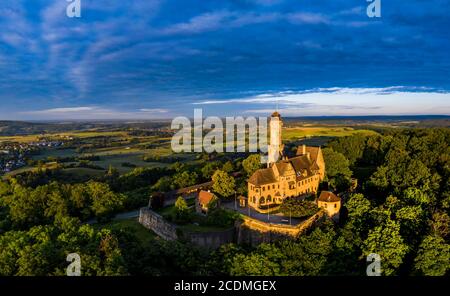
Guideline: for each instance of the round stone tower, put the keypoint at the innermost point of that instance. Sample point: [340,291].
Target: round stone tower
[276,146]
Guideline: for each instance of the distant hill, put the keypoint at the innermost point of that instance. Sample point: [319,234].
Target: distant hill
[19,128]
[399,120]
[12,128]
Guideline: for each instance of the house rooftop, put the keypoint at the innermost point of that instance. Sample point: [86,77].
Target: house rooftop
[327,196]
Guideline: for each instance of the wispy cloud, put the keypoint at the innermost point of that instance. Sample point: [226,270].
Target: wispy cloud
[308,18]
[60,110]
[345,100]
[96,112]
[155,110]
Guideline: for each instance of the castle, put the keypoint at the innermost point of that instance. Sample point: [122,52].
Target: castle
[285,177]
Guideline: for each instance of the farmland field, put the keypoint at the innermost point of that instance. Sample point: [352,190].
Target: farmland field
[124,151]
[302,132]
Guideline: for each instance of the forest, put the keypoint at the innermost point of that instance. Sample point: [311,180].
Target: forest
[399,210]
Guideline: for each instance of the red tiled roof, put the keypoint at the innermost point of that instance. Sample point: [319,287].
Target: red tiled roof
[205,197]
[327,196]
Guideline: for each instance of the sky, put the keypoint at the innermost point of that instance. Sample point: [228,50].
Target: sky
[147,59]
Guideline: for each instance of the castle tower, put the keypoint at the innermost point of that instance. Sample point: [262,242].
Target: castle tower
[276,146]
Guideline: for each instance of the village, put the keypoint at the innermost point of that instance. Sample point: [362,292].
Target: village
[15,155]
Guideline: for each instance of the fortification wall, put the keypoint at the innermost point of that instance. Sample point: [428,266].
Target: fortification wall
[169,231]
[157,224]
[254,232]
[213,239]
[248,231]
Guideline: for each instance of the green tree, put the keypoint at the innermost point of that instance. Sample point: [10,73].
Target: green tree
[440,224]
[224,184]
[338,171]
[298,208]
[385,240]
[182,211]
[164,184]
[251,164]
[209,169]
[352,147]
[433,257]
[185,179]
[228,167]
[104,202]
[358,207]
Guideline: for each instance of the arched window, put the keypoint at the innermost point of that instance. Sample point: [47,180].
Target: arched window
[269,199]
[261,200]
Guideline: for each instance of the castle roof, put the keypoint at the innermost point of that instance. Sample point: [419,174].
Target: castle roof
[283,167]
[301,165]
[312,150]
[263,176]
[276,114]
[327,196]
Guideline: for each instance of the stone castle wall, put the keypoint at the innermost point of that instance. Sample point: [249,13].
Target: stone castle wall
[168,231]
[213,239]
[157,224]
[254,232]
[248,231]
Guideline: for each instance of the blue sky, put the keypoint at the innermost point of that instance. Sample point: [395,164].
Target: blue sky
[147,59]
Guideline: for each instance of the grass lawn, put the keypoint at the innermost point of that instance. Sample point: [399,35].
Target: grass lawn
[194,226]
[132,225]
[166,211]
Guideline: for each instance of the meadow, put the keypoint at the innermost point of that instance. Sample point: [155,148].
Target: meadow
[294,133]
[126,151]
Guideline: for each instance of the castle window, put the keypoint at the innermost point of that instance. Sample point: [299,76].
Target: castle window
[273,186]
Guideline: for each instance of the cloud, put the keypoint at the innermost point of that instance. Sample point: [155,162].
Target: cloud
[168,54]
[347,101]
[221,19]
[60,110]
[155,110]
[308,18]
[96,112]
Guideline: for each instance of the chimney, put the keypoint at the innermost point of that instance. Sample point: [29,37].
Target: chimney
[303,149]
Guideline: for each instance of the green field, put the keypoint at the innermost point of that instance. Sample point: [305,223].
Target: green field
[75,134]
[307,132]
[130,150]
